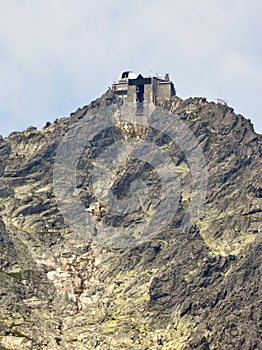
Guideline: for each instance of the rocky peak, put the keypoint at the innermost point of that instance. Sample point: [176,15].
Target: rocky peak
[199,289]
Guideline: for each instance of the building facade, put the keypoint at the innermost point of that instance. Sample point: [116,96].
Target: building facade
[133,87]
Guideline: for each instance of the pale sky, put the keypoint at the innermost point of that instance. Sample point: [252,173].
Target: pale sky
[58,55]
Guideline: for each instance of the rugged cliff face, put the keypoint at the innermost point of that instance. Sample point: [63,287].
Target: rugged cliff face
[199,288]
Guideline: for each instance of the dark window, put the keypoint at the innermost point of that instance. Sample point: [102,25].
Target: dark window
[140,93]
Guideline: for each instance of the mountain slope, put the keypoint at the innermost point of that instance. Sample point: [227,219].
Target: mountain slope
[198,289]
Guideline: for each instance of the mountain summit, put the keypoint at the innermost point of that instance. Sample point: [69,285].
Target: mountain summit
[193,281]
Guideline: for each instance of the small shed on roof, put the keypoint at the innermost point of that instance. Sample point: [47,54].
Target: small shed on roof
[128,75]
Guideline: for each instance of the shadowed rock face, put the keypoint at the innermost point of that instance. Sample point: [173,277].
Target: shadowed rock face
[200,289]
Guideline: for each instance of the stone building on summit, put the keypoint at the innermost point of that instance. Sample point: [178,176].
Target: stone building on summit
[133,87]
